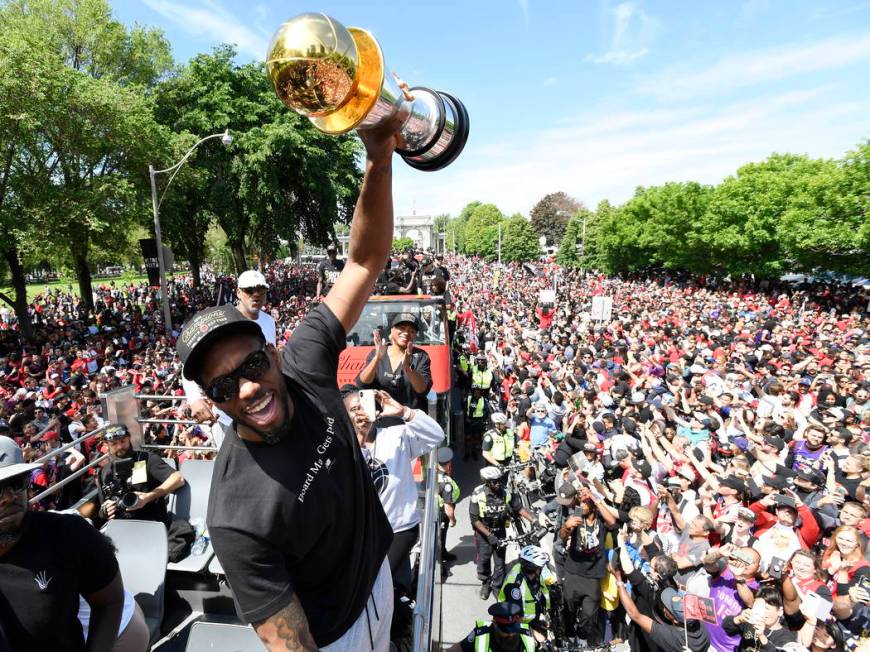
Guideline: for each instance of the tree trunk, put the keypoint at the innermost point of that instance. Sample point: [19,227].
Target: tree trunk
[83,274]
[195,271]
[19,302]
[238,251]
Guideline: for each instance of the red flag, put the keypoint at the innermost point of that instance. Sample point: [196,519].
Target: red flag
[696,607]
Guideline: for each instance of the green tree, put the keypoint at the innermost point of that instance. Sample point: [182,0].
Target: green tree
[439,223]
[281,179]
[742,225]
[456,228]
[400,244]
[826,225]
[570,252]
[89,126]
[481,230]
[551,214]
[519,242]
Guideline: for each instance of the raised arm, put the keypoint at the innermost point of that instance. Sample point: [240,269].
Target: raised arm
[371,232]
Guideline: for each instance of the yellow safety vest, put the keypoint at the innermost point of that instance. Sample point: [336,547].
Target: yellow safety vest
[463,364]
[481,638]
[502,444]
[479,496]
[475,412]
[444,479]
[481,379]
[530,605]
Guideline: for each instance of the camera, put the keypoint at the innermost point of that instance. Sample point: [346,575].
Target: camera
[118,488]
[776,567]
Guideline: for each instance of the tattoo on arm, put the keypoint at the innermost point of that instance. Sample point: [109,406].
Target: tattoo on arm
[286,630]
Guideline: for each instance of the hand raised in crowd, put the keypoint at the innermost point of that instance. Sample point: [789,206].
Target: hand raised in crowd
[380,346]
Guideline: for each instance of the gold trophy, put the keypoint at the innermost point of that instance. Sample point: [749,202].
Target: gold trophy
[336,76]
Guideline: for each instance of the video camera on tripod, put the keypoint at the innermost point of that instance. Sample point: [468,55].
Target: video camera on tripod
[118,488]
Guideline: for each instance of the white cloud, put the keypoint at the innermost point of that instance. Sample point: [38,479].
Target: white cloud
[608,152]
[633,30]
[214,23]
[524,7]
[761,66]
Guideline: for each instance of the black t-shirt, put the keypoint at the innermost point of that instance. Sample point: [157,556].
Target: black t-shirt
[585,549]
[394,383]
[58,557]
[328,272]
[157,472]
[301,517]
[672,638]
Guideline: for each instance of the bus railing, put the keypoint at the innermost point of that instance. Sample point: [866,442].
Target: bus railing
[429,532]
[62,449]
[57,486]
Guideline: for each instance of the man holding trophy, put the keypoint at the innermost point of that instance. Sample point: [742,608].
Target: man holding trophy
[293,515]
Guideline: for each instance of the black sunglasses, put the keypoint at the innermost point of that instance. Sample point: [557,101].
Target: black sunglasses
[225,387]
[16,483]
[254,290]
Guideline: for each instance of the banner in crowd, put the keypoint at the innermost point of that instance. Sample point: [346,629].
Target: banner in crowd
[152,266]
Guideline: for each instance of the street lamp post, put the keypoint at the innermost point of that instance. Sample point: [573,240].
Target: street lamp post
[226,139]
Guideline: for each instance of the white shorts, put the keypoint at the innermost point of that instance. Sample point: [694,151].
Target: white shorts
[371,631]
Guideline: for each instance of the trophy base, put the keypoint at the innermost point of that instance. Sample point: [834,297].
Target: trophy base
[449,141]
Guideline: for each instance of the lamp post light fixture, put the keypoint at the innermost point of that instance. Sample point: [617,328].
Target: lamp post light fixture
[227,139]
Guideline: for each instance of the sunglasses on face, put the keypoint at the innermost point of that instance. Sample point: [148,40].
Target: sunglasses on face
[15,484]
[225,387]
[257,290]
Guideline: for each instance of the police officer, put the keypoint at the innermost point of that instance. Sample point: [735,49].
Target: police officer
[475,422]
[490,508]
[498,443]
[505,633]
[482,377]
[448,496]
[524,586]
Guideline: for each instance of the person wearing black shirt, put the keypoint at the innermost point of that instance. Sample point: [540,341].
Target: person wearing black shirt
[143,473]
[293,514]
[761,627]
[328,271]
[399,368]
[46,561]
[667,632]
[584,534]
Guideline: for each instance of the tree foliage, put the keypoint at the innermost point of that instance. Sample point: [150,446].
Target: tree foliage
[570,253]
[519,243]
[400,244]
[280,179]
[551,214]
[481,230]
[85,127]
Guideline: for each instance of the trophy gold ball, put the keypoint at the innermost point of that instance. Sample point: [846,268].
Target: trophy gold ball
[336,77]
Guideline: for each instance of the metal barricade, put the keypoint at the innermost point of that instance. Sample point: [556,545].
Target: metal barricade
[427,610]
[73,476]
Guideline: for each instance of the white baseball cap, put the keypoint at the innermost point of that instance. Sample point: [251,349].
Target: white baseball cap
[252,279]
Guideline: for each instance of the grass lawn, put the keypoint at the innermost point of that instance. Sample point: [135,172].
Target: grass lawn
[38,288]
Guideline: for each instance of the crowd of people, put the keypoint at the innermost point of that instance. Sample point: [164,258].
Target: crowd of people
[708,439]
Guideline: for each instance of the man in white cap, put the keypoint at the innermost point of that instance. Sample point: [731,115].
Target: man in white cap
[251,293]
[41,580]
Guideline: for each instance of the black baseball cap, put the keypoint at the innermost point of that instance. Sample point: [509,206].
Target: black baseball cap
[566,494]
[405,318]
[206,327]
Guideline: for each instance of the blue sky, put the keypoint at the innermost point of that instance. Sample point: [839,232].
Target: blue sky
[591,97]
